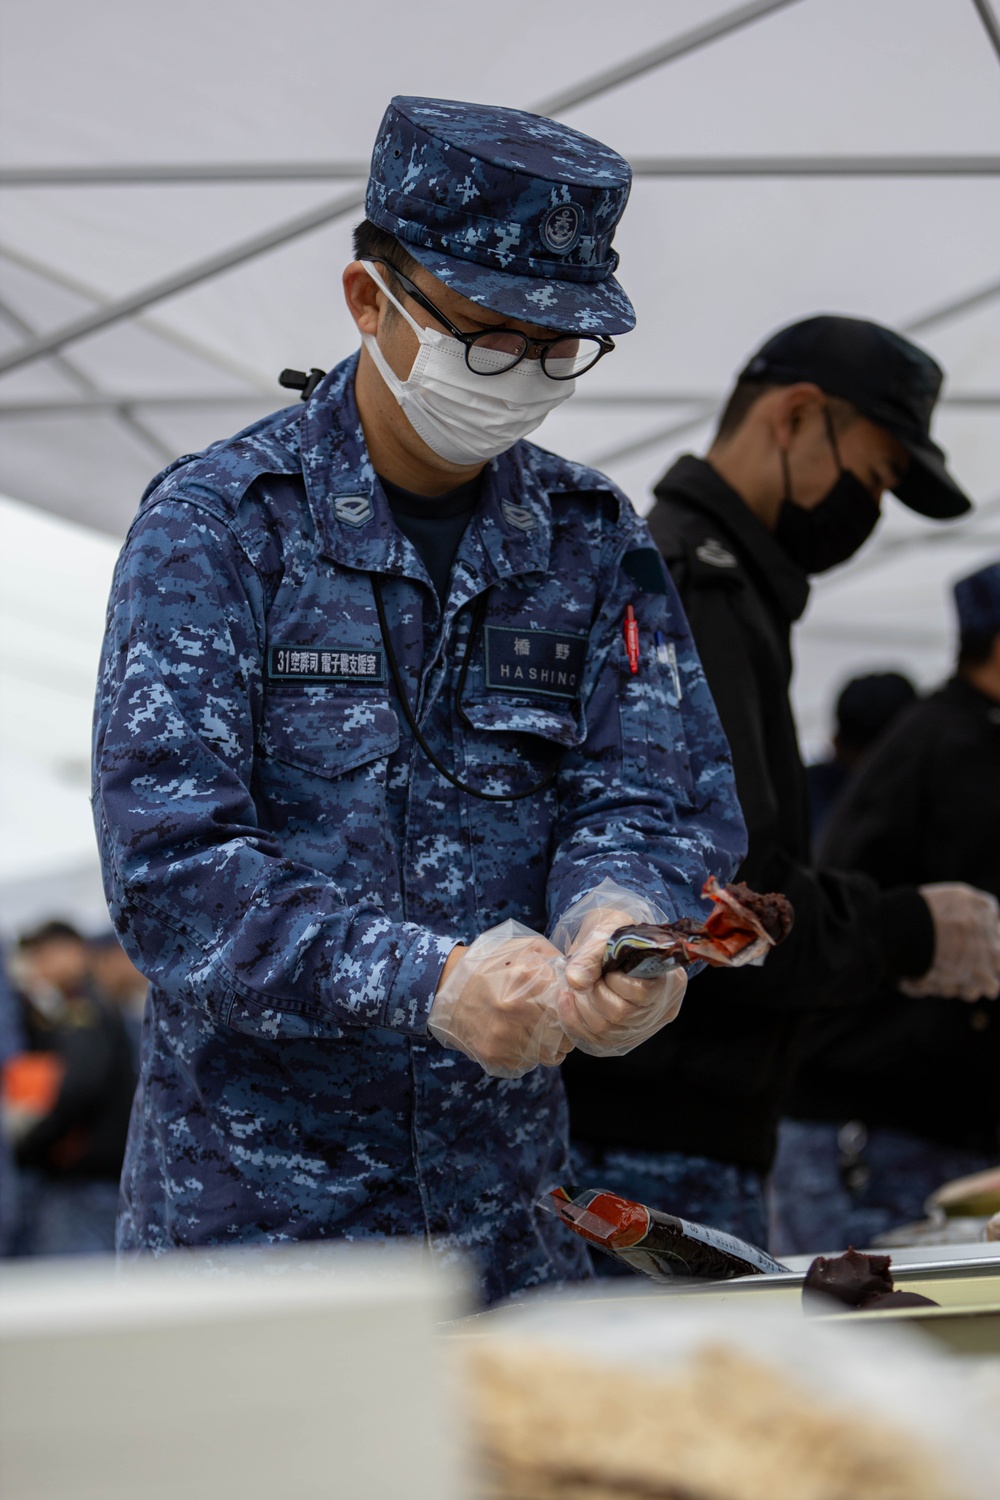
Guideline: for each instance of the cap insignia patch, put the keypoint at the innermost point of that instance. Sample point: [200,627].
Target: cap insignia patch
[561,228]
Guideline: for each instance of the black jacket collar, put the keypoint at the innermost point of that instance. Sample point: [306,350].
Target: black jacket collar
[957,690]
[695,483]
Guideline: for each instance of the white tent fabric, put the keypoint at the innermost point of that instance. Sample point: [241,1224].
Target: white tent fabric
[54,581]
[872,131]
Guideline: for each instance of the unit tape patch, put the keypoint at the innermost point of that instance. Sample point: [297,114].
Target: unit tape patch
[535,661]
[325,664]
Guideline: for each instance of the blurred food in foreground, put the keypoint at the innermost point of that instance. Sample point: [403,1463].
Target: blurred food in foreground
[721,1424]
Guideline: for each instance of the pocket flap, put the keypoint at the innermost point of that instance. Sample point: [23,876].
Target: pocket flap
[564,725]
[327,733]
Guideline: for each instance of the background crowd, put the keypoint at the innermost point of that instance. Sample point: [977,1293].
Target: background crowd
[70,1019]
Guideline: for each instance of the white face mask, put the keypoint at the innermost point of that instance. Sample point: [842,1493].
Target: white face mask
[463,417]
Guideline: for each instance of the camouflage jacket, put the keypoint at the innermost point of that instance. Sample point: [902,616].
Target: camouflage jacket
[290,871]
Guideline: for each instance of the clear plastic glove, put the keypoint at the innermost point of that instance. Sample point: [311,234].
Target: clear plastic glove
[498,1002]
[966,944]
[609,1016]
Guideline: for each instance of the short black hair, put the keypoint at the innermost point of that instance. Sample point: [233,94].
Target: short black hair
[746,393]
[743,395]
[372,243]
[49,932]
[867,705]
[975,647]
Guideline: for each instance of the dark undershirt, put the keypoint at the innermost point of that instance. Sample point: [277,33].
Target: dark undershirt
[435,524]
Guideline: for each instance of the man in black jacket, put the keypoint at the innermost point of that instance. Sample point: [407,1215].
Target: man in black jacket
[827,416]
[893,1099]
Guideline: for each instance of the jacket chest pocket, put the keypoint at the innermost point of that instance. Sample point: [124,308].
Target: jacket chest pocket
[509,746]
[320,782]
[325,734]
[504,731]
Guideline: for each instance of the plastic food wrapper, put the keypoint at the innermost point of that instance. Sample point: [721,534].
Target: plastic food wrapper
[651,1397]
[585,917]
[742,928]
[656,1244]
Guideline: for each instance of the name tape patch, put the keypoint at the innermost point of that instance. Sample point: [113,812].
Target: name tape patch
[325,664]
[535,661]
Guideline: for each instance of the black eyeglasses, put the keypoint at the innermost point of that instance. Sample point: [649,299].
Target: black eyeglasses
[495,350]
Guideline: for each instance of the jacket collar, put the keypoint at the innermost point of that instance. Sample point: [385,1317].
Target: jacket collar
[510,534]
[980,705]
[694,482]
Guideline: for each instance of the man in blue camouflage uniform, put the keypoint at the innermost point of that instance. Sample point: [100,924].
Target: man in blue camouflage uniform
[365,696]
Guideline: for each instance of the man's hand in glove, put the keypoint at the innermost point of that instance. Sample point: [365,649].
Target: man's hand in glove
[608,1016]
[497,1002]
[966,945]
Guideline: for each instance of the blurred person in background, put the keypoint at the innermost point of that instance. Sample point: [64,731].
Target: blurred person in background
[827,416]
[893,1099]
[13,1043]
[73,1120]
[52,967]
[865,708]
[365,700]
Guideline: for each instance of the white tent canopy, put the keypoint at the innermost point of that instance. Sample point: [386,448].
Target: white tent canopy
[792,156]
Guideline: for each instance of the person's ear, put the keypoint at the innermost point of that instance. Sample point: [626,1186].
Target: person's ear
[791,406]
[364,298]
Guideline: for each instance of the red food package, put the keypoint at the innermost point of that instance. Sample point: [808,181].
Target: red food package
[742,928]
[654,1243]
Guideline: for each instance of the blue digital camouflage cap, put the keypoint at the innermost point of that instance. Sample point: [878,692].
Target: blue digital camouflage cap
[510,209]
[977,600]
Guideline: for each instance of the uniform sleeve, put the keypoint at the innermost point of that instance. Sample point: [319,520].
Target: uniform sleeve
[201,897]
[848,935]
[649,799]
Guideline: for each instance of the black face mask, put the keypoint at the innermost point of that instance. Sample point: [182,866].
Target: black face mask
[834,529]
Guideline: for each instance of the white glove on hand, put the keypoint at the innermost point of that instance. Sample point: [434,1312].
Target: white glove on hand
[966,945]
[608,1017]
[498,1002]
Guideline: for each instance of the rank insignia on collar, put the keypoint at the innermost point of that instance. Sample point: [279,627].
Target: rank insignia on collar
[353,510]
[521,517]
[715,554]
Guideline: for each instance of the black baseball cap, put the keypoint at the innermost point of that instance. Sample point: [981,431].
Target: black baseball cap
[887,379]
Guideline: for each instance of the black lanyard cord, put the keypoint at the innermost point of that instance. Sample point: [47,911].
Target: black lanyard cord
[475,626]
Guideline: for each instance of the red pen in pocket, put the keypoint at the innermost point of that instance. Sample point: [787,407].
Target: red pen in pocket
[632,639]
